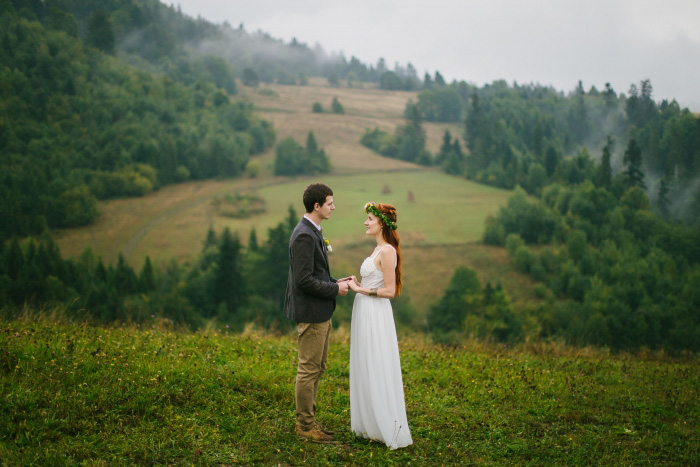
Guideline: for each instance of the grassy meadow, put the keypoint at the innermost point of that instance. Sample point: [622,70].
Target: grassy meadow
[82,395]
[439,227]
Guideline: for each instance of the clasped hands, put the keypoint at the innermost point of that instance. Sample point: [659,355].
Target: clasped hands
[347,283]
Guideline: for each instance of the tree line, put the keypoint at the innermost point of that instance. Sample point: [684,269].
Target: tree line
[533,136]
[228,282]
[609,270]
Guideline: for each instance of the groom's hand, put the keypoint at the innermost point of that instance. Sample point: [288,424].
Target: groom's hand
[343,288]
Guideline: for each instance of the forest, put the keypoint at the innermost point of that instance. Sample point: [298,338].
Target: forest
[120,98]
[532,136]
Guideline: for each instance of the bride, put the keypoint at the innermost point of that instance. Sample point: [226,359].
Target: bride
[377,408]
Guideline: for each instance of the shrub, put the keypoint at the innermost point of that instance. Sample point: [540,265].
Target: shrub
[524,259]
[253,169]
[182,174]
[513,242]
[337,107]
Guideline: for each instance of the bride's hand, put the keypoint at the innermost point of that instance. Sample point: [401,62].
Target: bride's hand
[354,286]
[354,279]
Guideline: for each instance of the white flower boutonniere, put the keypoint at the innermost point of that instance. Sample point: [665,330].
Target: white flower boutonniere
[329,248]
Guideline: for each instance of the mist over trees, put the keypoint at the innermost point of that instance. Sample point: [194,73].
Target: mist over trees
[79,125]
[532,136]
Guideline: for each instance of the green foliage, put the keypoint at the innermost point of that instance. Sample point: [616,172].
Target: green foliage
[391,82]
[380,141]
[442,104]
[232,285]
[293,159]
[77,118]
[409,142]
[337,107]
[467,310]
[634,176]
[530,219]
[250,78]
[451,157]
[78,207]
[512,130]
[524,259]
[317,108]
[623,272]
[99,32]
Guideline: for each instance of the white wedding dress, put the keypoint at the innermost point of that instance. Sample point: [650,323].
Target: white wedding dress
[377,408]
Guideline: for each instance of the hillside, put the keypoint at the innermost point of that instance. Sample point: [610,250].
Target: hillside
[76,394]
[447,215]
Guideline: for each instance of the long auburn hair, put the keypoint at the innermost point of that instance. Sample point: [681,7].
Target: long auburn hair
[392,238]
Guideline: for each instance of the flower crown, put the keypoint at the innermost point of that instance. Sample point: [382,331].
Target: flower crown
[371,207]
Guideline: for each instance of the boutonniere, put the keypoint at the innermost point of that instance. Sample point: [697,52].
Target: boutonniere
[329,248]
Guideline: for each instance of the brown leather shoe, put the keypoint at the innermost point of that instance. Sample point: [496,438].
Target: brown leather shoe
[325,430]
[314,435]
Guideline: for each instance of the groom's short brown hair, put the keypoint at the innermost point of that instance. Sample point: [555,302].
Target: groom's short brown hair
[316,193]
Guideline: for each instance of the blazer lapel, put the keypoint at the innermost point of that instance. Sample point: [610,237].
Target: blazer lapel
[319,235]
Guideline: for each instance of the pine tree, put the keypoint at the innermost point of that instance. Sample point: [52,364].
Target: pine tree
[211,239]
[445,148]
[411,136]
[551,160]
[99,32]
[311,145]
[253,240]
[609,97]
[427,82]
[147,280]
[633,174]
[337,107]
[14,260]
[292,220]
[439,80]
[124,280]
[604,175]
[227,284]
[663,200]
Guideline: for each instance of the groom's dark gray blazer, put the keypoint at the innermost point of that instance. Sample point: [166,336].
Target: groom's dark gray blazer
[311,290]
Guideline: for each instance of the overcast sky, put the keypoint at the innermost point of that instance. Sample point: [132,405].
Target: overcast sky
[550,42]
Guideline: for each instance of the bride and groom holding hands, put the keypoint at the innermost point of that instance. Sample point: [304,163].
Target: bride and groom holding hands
[377,407]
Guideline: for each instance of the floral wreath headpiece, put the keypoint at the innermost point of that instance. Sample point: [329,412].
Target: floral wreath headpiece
[370,207]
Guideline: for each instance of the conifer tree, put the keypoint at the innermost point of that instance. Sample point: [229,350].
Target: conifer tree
[99,32]
[253,240]
[227,285]
[439,80]
[633,174]
[604,175]
[663,200]
[211,239]
[147,280]
[337,107]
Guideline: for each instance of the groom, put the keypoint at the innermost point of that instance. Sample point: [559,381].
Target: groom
[310,301]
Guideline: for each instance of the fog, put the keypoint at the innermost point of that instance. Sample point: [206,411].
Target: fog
[548,42]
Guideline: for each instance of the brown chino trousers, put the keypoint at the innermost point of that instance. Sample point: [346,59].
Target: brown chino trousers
[312,341]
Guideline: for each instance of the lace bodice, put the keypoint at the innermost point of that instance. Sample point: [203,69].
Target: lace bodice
[371,276]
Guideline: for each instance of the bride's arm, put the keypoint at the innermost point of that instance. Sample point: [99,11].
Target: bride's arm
[387,260]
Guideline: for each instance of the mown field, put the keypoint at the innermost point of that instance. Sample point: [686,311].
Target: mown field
[79,395]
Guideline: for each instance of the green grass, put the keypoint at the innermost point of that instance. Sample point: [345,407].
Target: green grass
[445,210]
[81,395]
